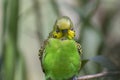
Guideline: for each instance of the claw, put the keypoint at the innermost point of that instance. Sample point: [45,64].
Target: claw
[74,78]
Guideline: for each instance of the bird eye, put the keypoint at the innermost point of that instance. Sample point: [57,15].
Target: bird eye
[72,28]
[57,30]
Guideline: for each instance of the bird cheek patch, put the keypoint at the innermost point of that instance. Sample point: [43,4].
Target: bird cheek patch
[57,34]
[71,34]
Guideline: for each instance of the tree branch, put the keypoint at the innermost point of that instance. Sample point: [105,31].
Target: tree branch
[102,74]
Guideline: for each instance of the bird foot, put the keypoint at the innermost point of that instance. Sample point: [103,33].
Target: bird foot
[74,78]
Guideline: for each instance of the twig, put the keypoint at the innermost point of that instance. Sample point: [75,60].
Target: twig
[102,74]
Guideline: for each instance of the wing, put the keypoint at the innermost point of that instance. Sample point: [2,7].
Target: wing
[41,52]
[79,48]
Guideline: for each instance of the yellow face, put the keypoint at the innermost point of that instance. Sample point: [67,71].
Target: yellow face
[64,28]
[63,24]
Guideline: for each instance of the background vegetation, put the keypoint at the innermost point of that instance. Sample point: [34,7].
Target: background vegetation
[25,24]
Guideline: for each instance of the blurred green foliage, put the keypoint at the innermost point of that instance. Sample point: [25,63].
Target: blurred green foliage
[13,64]
[96,24]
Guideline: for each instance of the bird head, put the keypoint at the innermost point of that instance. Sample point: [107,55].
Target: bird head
[64,28]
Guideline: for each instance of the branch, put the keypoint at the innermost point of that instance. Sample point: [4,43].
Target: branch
[102,74]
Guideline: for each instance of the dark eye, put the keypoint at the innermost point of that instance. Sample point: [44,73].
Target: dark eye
[72,29]
[57,30]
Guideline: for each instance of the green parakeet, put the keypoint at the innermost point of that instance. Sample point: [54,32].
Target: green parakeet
[60,54]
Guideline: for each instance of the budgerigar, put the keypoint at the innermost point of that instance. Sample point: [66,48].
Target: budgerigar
[60,55]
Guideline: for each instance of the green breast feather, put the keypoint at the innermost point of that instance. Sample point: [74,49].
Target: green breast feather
[61,59]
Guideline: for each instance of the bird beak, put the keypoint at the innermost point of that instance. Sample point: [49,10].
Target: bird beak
[64,31]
